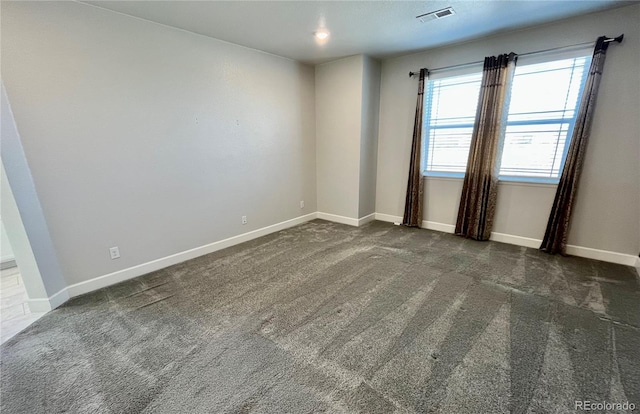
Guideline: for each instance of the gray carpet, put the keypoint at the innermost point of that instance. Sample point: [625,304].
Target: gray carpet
[329,318]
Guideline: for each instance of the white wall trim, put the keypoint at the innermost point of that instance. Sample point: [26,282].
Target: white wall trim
[587,252]
[338,219]
[638,266]
[525,183]
[99,282]
[142,269]
[432,225]
[517,240]
[347,220]
[388,218]
[45,305]
[604,255]
[440,178]
[366,219]
[48,304]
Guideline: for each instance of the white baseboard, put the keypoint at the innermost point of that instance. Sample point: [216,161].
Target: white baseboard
[347,220]
[517,240]
[586,252]
[580,251]
[638,266]
[604,255]
[142,269]
[45,305]
[388,218]
[366,219]
[338,219]
[432,225]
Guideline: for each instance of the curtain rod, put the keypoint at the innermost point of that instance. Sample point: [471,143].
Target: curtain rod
[611,39]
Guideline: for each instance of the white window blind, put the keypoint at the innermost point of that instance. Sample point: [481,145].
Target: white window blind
[450,111]
[542,111]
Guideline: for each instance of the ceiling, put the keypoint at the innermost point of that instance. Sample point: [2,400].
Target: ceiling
[380,29]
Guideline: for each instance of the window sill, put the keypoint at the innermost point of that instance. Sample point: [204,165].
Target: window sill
[501,181]
[443,176]
[527,183]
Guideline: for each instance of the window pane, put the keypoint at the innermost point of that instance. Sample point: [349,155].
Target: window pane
[547,90]
[533,150]
[450,110]
[454,101]
[448,149]
[544,101]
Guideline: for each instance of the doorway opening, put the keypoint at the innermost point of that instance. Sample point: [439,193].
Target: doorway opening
[15,314]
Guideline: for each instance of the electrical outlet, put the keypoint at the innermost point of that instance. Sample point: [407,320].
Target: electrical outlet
[301,203]
[114,252]
[244,219]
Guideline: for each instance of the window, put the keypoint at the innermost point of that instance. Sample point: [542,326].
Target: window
[544,104]
[450,111]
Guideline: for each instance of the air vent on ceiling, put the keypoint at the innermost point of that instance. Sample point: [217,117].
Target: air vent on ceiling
[438,14]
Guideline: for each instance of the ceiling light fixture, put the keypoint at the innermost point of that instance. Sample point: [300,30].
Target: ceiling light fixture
[321,34]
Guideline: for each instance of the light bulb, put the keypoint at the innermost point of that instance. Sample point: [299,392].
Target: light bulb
[321,34]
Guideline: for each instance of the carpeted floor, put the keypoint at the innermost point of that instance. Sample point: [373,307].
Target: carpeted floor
[329,318]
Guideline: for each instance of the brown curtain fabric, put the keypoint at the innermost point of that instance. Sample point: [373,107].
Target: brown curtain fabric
[555,237]
[479,190]
[415,186]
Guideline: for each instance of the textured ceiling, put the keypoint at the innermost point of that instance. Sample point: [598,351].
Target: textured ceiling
[377,28]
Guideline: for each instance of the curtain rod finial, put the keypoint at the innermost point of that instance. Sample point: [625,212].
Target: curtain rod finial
[615,39]
[411,74]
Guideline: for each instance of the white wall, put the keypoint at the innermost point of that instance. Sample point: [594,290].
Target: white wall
[6,252]
[150,138]
[338,132]
[369,135]
[29,270]
[607,213]
[24,218]
[347,106]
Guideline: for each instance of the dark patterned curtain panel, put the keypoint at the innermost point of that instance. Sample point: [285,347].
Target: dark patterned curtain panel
[555,237]
[415,186]
[479,190]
